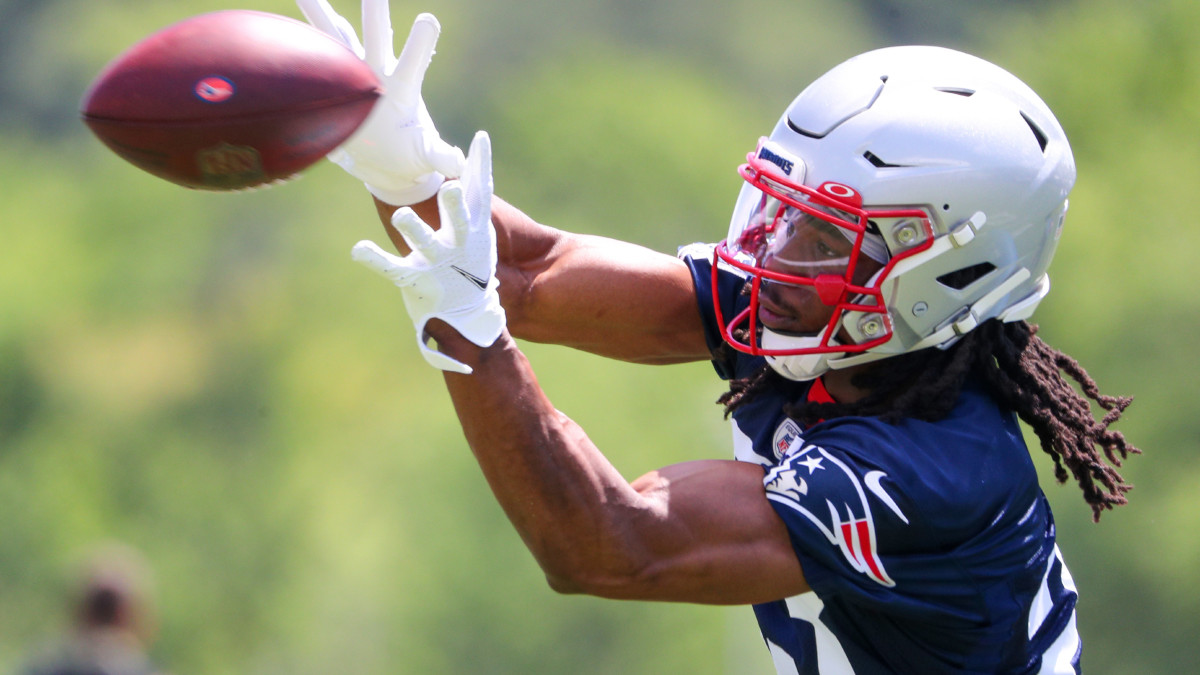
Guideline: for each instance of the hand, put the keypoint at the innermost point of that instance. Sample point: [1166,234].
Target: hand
[397,152]
[451,273]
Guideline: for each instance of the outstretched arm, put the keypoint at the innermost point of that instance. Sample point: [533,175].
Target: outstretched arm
[695,532]
[700,531]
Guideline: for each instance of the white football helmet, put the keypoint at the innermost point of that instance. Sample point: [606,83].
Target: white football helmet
[946,177]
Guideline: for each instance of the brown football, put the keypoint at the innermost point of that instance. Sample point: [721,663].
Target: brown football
[230,100]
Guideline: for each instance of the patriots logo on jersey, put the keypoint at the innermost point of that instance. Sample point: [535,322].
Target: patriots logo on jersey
[830,495]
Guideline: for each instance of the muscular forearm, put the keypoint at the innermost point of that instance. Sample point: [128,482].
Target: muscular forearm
[699,531]
[569,504]
[603,296]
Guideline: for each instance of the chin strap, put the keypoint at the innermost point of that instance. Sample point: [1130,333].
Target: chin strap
[797,367]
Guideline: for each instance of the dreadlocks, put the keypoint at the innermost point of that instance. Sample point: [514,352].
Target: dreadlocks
[1021,371]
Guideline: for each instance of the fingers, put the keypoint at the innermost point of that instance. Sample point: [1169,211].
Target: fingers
[377,35]
[369,254]
[452,207]
[415,57]
[442,157]
[477,176]
[418,235]
[322,17]
[479,157]
[445,159]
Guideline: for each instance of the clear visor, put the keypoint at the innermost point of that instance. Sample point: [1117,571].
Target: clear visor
[789,235]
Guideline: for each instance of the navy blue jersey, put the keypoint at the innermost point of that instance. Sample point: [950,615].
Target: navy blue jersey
[929,546]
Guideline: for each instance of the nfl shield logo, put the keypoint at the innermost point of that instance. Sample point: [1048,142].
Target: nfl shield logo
[215,89]
[787,435]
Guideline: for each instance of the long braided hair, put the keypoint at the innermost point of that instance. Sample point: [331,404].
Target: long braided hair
[1021,371]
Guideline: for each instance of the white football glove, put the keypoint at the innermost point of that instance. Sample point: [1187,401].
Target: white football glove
[451,273]
[397,152]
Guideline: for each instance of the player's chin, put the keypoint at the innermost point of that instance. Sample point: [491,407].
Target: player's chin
[775,321]
[784,320]
[786,325]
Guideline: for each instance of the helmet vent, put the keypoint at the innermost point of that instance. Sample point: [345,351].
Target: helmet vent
[879,163]
[960,279]
[1037,131]
[957,91]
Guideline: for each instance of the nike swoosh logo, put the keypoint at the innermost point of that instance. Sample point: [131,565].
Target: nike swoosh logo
[481,284]
[872,480]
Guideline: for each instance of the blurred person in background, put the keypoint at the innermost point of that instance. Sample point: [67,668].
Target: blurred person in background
[113,621]
[868,308]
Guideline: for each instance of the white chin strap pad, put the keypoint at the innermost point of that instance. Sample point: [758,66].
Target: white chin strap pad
[797,367]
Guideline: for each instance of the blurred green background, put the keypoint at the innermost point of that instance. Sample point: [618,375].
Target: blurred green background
[209,379]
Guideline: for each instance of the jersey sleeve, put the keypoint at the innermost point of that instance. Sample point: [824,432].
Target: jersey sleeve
[698,258]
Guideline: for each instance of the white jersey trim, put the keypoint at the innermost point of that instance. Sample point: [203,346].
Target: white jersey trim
[743,447]
[1060,657]
[831,658]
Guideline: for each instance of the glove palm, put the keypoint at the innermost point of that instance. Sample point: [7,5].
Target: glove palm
[450,273]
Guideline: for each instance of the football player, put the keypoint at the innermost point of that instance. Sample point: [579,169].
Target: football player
[868,307]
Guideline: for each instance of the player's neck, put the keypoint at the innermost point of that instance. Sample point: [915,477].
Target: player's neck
[840,386]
